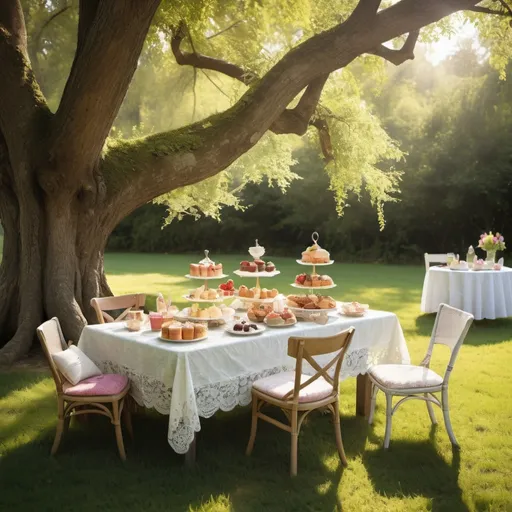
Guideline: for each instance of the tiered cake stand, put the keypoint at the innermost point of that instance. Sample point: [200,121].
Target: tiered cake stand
[206,280]
[314,237]
[256,252]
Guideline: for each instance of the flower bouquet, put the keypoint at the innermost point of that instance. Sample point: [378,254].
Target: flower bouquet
[491,243]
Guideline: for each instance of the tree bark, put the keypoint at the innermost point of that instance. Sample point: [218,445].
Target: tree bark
[60,197]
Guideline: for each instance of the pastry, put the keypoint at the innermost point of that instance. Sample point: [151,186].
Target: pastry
[187,331]
[194,269]
[252,267]
[218,269]
[260,265]
[174,332]
[227,288]
[200,330]
[264,293]
[273,293]
[214,312]
[238,327]
[316,281]
[270,267]
[326,281]
[203,313]
[315,254]
[203,270]
[257,292]
[210,271]
[194,311]
[274,319]
[242,291]
[250,293]
[244,266]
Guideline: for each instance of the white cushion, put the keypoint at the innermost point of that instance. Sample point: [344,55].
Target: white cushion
[280,384]
[405,376]
[75,365]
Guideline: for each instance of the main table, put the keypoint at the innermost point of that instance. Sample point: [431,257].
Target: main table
[483,293]
[194,380]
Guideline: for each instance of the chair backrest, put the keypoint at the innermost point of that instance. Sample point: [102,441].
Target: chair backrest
[306,348]
[450,329]
[434,258]
[124,302]
[52,340]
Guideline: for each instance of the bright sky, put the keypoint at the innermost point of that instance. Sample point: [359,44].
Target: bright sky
[445,47]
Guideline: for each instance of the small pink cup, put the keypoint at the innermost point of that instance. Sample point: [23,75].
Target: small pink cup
[156,320]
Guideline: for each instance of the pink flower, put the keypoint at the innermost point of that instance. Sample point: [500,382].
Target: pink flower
[494,240]
[501,239]
[483,236]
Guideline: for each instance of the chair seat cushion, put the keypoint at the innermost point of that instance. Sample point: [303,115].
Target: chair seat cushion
[280,384]
[101,385]
[405,376]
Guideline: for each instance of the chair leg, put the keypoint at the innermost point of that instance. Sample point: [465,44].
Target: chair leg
[127,413]
[389,418]
[337,431]
[254,425]
[431,411]
[446,414]
[119,432]
[375,390]
[294,443]
[60,426]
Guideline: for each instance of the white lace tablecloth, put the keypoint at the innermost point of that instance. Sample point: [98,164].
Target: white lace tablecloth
[483,293]
[193,380]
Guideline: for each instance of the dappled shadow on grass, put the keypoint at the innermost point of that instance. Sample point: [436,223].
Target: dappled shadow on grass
[482,332]
[88,473]
[410,469]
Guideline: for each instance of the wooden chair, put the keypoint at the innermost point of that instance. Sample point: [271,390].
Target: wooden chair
[420,382]
[76,400]
[125,302]
[297,394]
[434,258]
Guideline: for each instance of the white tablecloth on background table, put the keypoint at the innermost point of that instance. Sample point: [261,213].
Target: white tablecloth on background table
[483,293]
[193,380]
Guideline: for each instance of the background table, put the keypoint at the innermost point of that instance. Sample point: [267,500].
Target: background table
[483,293]
[193,380]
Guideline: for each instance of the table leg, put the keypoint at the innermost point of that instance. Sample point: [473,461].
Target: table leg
[190,456]
[363,395]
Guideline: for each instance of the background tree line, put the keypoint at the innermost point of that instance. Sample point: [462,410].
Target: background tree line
[454,124]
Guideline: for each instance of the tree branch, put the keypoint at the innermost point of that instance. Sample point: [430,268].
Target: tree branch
[170,160]
[487,10]
[197,60]
[110,40]
[398,57]
[233,25]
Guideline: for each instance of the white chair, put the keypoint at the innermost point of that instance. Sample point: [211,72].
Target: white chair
[434,258]
[408,381]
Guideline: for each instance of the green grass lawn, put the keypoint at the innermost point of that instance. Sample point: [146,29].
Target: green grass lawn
[419,472]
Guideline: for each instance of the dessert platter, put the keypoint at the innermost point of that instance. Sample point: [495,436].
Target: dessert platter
[203,294]
[353,309]
[206,269]
[308,306]
[284,319]
[314,256]
[458,265]
[183,332]
[244,328]
[257,268]
[194,313]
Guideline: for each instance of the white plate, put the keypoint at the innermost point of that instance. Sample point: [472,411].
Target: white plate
[313,287]
[183,341]
[261,328]
[239,273]
[355,315]
[197,319]
[190,299]
[300,262]
[281,325]
[459,269]
[188,276]
[261,301]
[311,311]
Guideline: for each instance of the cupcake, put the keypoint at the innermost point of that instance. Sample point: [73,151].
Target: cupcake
[270,267]
[174,332]
[215,312]
[211,294]
[244,266]
[194,269]
[203,313]
[203,270]
[187,331]
[242,291]
[218,269]
[260,265]
[200,331]
[273,293]
[264,293]
[274,319]
[253,267]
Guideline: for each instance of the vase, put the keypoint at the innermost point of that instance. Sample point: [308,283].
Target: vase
[490,257]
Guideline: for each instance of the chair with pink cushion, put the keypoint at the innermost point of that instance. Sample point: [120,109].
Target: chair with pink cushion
[297,394]
[103,394]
